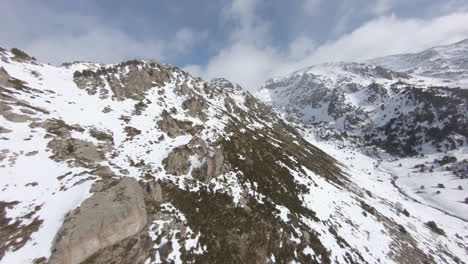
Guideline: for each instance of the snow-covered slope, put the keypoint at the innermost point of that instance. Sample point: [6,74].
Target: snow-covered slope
[407,115]
[139,162]
[448,63]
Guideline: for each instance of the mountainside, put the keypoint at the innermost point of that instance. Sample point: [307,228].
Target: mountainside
[449,63]
[407,113]
[397,111]
[139,162]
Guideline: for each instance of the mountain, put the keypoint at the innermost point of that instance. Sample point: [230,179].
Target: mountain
[449,63]
[407,114]
[140,162]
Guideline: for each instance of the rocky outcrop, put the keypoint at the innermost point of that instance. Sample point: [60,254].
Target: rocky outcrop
[134,85]
[178,161]
[75,149]
[195,107]
[174,127]
[207,162]
[57,127]
[338,106]
[140,77]
[115,211]
[4,77]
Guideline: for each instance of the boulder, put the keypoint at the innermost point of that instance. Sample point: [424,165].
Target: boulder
[77,149]
[109,216]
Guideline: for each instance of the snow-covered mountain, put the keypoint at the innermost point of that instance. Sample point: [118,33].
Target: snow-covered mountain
[449,63]
[407,113]
[140,162]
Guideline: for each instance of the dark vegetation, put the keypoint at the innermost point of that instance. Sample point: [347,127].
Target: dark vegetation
[252,234]
[21,54]
[405,133]
[107,70]
[433,226]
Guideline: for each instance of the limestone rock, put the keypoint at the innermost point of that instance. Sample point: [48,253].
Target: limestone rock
[75,149]
[4,77]
[57,127]
[177,162]
[106,218]
[174,127]
[211,159]
[196,107]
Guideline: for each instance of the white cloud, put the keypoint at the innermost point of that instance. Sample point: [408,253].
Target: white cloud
[251,63]
[82,37]
[185,39]
[99,45]
[301,47]
[391,35]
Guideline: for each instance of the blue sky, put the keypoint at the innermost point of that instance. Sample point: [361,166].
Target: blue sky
[246,41]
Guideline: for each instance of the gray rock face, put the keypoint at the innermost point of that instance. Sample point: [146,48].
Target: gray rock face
[177,162]
[75,149]
[57,127]
[135,84]
[4,77]
[106,218]
[174,127]
[196,107]
[140,78]
[214,165]
[211,160]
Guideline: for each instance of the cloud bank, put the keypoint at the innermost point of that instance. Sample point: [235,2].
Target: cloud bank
[245,41]
[250,58]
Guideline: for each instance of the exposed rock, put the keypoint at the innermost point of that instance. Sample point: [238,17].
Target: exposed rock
[4,130]
[14,233]
[210,159]
[106,218]
[32,153]
[177,162]
[57,127]
[106,109]
[174,127]
[184,89]
[135,249]
[211,168]
[155,191]
[4,77]
[27,111]
[77,149]
[137,82]
[131,131]
[5,111]
[92,86]
[102,135]
[134,85]
[196,107]
[103,171]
